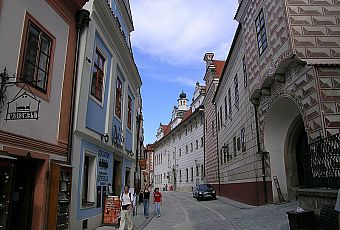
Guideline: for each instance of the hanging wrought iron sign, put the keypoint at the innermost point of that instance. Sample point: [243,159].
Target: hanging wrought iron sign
[24,106]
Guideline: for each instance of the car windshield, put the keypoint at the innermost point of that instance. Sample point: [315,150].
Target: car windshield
[205,187]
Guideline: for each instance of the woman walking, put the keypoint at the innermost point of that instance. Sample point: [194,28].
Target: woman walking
[146,201]
[157,201]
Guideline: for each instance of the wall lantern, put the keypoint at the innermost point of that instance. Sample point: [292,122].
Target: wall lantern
[105,137]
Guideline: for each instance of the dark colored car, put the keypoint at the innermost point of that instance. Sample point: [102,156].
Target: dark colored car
[204,191]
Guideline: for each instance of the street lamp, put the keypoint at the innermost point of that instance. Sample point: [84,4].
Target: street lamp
[105,136]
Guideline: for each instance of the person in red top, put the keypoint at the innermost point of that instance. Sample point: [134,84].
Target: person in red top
[157,200]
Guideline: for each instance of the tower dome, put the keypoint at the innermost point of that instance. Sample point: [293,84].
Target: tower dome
[182,95]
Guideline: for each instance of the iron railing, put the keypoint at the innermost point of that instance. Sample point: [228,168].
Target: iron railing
[321,164]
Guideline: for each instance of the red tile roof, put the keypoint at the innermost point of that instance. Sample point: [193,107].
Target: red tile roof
[166,129]
[186,115]
[219,67]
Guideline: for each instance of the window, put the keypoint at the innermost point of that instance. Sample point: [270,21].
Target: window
[89,180]
[119,89]
[190,128]
[225,154]
[186,149]
[245,75]
[196,124]
[261,32]
[221,117]
[98,76]
[192,174]
[180,175]
[202,172]
[229,157]
[197,170]
[180,136]
[237,96]
[196,144]
[187,175]
[238,144]
[243,139]
[180,152]
[36,58]
[218,121]
[230,107]
[221,156]
[192,147]
[129,121]
[226,108]
[234,146]
[213,128]
[201,141]
[186,132]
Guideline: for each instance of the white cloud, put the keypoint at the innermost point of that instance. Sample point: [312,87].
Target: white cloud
[184,81]
[182,31]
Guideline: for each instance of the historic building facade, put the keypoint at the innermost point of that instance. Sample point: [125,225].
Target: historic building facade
[240,165]
[292,71]
[38,45]
[179,149]
[213,73]
[108,119]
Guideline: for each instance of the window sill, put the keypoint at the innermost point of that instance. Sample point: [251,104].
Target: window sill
[87,204]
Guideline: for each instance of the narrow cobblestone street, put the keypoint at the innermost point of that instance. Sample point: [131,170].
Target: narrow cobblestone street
[181,211]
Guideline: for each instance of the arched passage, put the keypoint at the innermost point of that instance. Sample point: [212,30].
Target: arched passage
[284,139]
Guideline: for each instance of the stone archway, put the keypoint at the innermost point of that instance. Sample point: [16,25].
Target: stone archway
[284,131]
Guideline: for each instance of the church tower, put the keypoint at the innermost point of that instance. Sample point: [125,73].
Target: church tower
[183,102]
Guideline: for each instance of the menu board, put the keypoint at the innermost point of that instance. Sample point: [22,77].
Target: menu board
[111,210]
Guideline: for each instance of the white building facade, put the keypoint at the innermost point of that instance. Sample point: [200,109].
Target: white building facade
[107,112]
[179,149]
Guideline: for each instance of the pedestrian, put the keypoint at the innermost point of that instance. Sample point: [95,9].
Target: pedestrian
[337,208]
[141,197]
[146,201]
[127,206]
[157,200]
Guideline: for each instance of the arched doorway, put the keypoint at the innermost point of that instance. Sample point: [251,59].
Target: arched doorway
[285,139]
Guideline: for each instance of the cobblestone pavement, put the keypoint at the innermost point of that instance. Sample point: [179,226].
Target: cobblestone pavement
[139,221]
[181,211]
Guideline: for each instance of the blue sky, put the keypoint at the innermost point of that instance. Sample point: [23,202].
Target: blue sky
[169,42]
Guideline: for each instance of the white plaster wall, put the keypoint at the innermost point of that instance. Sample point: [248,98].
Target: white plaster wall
[13,11]
[244,167]
[168,146]
[280,118]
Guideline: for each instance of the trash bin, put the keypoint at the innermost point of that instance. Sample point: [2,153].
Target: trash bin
[301,220]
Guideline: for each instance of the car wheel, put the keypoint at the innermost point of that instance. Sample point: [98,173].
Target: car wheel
[214,197]
[193,195]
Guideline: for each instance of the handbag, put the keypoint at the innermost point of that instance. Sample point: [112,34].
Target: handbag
[126,207]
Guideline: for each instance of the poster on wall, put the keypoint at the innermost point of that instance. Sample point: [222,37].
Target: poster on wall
[111,211]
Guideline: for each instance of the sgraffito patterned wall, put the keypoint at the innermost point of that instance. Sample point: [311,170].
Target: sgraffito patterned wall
[315,29]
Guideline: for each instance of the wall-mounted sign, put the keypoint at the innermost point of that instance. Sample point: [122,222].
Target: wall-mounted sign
[118,138]
[23,106]
[103,163]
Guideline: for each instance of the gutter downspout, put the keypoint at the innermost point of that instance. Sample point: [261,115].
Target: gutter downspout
[218,158]
[259,151]
[82,21]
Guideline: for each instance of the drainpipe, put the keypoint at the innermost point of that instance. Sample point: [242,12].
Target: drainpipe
[82,21]
[218,158]
[259,151]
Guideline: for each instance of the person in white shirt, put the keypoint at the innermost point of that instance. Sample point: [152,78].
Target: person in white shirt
[127,205]
[337,208]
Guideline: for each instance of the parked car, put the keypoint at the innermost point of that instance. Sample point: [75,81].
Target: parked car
[204,191]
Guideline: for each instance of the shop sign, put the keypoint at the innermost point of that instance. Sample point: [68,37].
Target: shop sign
[111,211]
[118,138]
[103,165]
[23,107]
